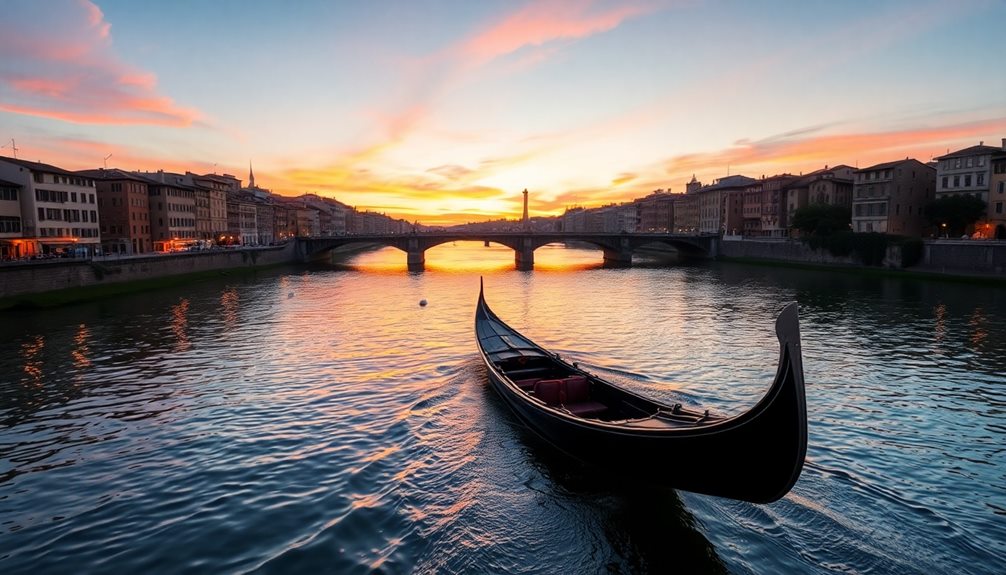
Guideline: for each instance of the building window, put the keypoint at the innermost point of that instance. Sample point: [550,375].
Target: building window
[999,207]
[10,224]
[8,194]
[981,161]
[967,181]
[946,180]
[970,162]
[957,181]
[1002,187]
[980,179]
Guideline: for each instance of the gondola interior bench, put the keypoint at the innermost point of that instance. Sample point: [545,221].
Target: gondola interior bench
[571,393]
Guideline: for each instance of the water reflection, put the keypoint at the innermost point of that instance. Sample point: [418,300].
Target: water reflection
[179,323]
[347,429]
[31,355]
[978,324]
[940,330]
[229,301]
[80,349]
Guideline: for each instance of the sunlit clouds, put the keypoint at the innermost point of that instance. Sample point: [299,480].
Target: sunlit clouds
[443,112]
[59,63]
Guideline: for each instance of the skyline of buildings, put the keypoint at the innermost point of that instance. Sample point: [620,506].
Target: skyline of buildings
[46,209]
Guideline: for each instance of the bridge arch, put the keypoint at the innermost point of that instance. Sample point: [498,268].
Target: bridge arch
[617,248]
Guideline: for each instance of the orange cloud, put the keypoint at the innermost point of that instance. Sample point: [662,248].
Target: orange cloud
[58,63]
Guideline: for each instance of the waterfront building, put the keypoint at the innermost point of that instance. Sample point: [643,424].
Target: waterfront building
[265,217]
[656,211]
[751,210]
[733,211]
[309,223]
[172,211]
[969,171]
[573,220]
[891,197]
[58,210]
[774,223]
[686,213]
[123,209]
[997,198]
[966,171]
[711,202]
[828,186]
[11,242]
[331,214]
[242,220]
[218,187]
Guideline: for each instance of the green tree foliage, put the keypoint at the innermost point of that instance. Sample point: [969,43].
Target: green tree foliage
[822,219]
[957,212]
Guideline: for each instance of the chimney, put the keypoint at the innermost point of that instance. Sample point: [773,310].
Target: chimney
[1004,144]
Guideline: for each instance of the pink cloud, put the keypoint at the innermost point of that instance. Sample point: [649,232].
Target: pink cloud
[539,23]
[59,63]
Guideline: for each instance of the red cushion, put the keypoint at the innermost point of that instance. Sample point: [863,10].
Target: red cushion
[549,391]
[577,389]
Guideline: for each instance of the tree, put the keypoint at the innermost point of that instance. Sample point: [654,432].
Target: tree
[822,219]
[953,214]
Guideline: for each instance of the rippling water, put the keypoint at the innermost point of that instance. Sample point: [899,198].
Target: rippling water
[320,420]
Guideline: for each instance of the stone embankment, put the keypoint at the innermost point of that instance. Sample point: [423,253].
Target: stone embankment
[35,282]
[943,256]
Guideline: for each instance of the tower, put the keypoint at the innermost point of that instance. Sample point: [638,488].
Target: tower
[524,219]
[251,176]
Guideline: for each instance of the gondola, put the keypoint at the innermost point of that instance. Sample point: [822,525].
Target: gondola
[756,456]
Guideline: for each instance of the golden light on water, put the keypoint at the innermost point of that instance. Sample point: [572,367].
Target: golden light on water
[475,256]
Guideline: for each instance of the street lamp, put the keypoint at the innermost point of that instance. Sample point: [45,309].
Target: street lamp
[943,226]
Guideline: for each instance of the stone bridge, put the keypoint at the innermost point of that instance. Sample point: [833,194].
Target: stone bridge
[617,248]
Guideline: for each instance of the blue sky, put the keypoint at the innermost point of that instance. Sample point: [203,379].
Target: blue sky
[444,111]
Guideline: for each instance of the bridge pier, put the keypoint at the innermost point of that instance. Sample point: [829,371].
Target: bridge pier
[620,256]
[416,256]
[524,260]
[524,255]
[417,261]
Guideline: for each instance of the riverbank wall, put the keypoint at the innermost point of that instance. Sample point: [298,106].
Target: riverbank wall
[37,283]
[948,257]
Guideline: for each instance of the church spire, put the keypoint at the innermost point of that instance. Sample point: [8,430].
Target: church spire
[251,176]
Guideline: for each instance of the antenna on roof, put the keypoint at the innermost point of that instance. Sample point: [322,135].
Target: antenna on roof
[106,162]
[13,147]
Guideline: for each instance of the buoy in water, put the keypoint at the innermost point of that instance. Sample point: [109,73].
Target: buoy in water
[422,303]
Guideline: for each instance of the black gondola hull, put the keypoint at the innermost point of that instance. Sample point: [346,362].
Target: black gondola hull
[756,456]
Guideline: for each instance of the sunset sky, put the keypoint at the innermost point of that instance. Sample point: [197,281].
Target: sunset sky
[444,111]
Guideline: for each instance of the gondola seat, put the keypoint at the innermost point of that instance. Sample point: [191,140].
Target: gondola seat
[549,391]
[576,397]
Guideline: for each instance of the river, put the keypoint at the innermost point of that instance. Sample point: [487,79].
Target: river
[320,420]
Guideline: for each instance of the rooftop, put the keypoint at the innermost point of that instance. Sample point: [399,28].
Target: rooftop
[37,166]
[978,150]
[110,174]
[886,165]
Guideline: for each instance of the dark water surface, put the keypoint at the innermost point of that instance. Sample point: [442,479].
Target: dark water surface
[320,420]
